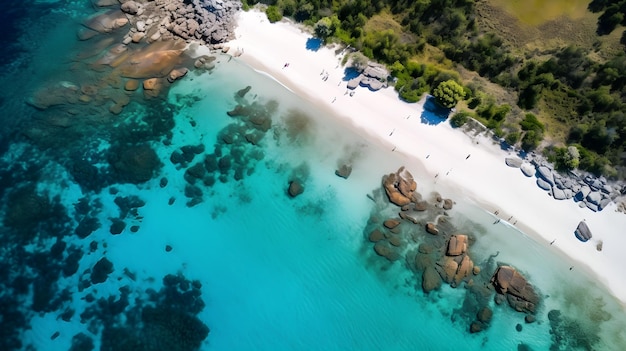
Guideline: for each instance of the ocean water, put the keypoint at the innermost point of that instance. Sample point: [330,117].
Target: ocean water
[210,251]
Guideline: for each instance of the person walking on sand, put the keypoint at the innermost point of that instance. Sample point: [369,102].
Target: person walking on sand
[468,156]
[335,99]
[390,134]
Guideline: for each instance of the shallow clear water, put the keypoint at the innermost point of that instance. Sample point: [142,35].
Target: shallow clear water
[272,272]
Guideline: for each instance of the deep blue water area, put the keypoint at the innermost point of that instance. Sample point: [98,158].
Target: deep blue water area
[223,212]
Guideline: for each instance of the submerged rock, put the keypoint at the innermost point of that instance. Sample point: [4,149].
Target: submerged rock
[382,248]
[391,223]
[430,280]
[136,163]
[295,188]
[101,271]
[376,235]
[344,171]
[520,294]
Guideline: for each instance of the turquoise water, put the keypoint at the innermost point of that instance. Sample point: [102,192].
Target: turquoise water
[259,269]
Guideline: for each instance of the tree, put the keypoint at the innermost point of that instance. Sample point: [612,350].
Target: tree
[273,13]
[460,118]
[448,93]
[324,28]
[567,158]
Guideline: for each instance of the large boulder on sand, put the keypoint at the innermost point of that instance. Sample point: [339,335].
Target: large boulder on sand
[546,174]
[513,162]
[528,169]
[457,245]
[521,295]
[582,232]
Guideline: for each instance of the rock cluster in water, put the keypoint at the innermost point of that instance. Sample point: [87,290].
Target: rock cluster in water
[234,154]
[208,21]
[439,254]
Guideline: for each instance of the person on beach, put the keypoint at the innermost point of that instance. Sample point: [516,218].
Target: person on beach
[335,99]
[390,134]
[468,156]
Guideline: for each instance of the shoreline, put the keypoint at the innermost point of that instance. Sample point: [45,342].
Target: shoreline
[473,167]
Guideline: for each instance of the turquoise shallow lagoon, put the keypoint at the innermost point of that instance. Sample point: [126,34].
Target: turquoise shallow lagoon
[221,257]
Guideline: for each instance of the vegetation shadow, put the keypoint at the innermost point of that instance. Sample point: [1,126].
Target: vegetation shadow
[433,113]
[313,44]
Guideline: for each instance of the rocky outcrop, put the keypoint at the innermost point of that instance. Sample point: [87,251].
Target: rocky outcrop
[374,78]
[399,187]
[207,21]
[520,294]
[457,245]
[591,192]
[582,232]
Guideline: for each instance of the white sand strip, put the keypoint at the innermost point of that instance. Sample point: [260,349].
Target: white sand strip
[442,151]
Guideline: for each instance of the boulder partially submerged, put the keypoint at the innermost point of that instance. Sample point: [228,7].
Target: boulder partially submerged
[520,294]
[400,187]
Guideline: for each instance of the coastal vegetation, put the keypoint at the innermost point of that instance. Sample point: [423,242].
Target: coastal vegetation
[575,90]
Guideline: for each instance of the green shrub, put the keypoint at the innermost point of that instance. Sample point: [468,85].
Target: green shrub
[512,138]
[273,13]
[460,118]
[448,93]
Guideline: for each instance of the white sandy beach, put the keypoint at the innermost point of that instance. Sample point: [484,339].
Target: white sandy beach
[439,149]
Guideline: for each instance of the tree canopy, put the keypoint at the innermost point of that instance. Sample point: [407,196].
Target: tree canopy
[448,93]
